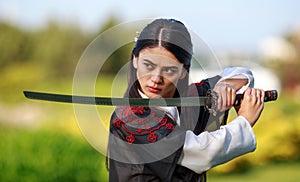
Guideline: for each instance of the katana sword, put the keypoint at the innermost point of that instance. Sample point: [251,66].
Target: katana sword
[114,101]
[209,101]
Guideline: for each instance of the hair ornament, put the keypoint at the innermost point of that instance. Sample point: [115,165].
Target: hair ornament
[136,37]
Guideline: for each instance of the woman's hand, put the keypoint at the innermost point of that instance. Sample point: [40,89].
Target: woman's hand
[226,90]
[252,105]
[226,96]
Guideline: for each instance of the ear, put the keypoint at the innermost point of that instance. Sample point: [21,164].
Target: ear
[183,73]
[135,62]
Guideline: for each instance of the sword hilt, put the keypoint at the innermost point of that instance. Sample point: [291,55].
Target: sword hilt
[212,102]
[270,95]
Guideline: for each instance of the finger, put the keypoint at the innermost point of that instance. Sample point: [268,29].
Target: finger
[220,101]
[258,96]
[230,97]
[259,93]
[254,96]
[227,97]
[248,91]
[253,92]
[262,96]
[250,96]
[232,94]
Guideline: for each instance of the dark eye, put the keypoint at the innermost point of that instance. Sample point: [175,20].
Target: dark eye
[170,71]
[148,66]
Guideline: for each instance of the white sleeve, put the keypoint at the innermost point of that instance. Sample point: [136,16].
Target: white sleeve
[238,73]
[208,149]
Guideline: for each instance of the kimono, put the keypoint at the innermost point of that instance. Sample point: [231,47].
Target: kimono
[158,143]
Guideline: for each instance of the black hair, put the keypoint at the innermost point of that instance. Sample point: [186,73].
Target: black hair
[173,36]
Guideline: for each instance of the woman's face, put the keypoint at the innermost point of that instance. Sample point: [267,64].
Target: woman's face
[158,72]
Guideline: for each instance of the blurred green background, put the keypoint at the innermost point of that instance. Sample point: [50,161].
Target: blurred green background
[41,141]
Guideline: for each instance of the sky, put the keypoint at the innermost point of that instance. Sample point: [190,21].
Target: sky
[232,24]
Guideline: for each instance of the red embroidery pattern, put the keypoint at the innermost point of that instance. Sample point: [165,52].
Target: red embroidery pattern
[130,118]
[169,126]
[152,137]
[130,139]
[163,121]
[117,123]
[199,83]
[137,110]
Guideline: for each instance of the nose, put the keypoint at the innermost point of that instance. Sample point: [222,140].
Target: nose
[156,78]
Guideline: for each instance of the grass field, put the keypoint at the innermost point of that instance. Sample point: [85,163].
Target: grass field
[47,155]
[277,172]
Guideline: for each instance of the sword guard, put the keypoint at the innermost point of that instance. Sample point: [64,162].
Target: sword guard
[212,101]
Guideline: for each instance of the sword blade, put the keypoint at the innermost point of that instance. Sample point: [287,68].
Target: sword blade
[108,101]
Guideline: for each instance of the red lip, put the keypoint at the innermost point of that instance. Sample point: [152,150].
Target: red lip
[153,89]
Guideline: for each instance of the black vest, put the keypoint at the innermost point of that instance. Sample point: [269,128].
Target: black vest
[145,143]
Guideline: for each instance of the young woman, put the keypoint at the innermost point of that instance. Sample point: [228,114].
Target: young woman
[170,143]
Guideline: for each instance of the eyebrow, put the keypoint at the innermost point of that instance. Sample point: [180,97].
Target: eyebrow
[150,62]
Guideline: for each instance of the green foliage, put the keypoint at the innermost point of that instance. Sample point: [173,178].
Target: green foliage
[120,56]
[45,155]
[111,22]
[117,59]
[56,49]
[12,44]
